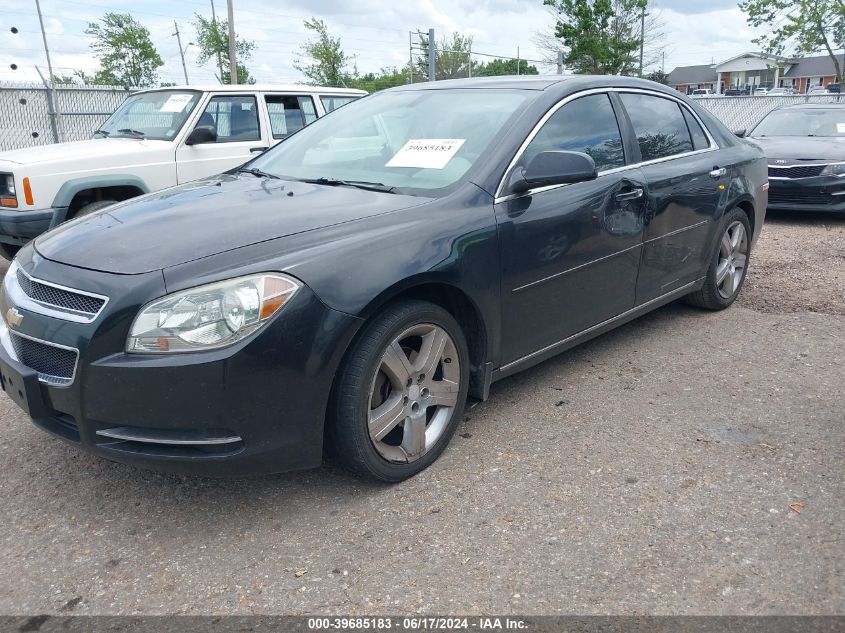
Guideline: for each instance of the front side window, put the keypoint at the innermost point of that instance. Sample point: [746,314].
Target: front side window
[659,125]
[418,142]
[155,115]
[234,117]
[588,125]
[289,113]
[333,102]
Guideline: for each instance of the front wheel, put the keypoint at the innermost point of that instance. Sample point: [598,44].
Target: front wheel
[729,264]
[400,392]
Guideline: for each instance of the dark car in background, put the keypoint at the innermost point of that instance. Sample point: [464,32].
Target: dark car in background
[349,288]
[805,148]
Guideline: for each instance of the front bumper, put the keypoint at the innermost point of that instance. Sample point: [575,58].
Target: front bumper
[255,407]
[20,226]
[822,193]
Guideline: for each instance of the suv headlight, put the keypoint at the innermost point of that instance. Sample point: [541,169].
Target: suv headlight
[834,169]
[211,316]
[8,195]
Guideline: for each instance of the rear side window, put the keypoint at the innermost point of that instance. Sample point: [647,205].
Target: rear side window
[588,125]
[289,113]
[659,125]
[334,102]
[699,138]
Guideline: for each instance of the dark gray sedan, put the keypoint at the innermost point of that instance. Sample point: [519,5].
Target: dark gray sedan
[350,288]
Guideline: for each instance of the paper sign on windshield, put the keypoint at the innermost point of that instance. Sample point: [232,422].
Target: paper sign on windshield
[840,128]
[175,103]
[427,153]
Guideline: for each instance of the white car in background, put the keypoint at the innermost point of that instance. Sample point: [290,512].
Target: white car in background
[155,139]
[781,92]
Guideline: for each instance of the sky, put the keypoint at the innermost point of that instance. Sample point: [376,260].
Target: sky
[376,32]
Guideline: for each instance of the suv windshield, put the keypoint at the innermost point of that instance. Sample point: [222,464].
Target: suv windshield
[802,123]
[414,142]
[154,115]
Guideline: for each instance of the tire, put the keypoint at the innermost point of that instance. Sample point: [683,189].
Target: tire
[413,405]
[9,251]
[91,207]
[733,254]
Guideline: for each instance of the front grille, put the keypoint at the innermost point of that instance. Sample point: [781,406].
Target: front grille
[796,171]
[59,297]
[799,197]
[55,365]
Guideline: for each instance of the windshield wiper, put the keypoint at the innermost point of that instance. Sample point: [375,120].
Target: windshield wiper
[129,132]
[103,132]
[259,173]
[358,184]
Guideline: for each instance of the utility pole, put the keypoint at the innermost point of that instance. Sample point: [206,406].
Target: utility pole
[560,62]
[233,60]
[56,119]
[642,37]
[517,60]
[181,51]
[219,62]
[432,56]
[410,57]
[469,49]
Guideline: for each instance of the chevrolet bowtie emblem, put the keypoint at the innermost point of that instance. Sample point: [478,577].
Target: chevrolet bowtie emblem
[13,317]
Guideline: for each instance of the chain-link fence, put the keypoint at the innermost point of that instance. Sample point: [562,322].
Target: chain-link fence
[743,113]
[28,115]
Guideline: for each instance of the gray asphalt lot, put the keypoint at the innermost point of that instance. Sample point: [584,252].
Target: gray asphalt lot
[650,471]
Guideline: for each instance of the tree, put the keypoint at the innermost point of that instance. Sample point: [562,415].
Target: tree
[603,36]
[452,58]
[385,78]
[213,44]
[659,76]
[126,53]
[323,60]
[810,26]
[505,67]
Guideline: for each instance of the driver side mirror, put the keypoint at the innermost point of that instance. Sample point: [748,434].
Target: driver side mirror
[201,134]
[555,167]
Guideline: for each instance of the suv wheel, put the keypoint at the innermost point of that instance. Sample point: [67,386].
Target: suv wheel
[9,250]
[91,207]
[400,392]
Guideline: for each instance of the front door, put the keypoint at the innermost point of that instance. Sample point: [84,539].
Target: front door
[686,189]
[239,137]
[570,254]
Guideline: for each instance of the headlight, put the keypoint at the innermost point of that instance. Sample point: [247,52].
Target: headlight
[8,195]
[208,317]
[834,169]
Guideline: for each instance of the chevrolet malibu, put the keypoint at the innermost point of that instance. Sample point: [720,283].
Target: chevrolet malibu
[349,289]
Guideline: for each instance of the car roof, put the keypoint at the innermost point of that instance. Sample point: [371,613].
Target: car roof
[563,83]
[300,88]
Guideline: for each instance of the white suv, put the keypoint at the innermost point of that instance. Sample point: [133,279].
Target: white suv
[155,139]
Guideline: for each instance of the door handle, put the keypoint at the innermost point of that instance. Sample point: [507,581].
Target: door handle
[634,194]
[718,172]
[256,150]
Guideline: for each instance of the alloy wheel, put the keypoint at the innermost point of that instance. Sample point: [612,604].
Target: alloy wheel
[414,393]
[733,255]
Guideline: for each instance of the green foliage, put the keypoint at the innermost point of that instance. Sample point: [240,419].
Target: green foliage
[599,37]
[322,59]
[213,45]
[63,80]
[126,54]
[810,26]
[386,78]
[659,76]
[499,67]
[452,58]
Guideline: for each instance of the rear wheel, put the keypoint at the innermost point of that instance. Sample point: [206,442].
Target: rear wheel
[9,250]
[91,207]
[400,392]
[729,265]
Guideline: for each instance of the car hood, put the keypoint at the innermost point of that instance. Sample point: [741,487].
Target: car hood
[801,148]
[103,150]
[184,223]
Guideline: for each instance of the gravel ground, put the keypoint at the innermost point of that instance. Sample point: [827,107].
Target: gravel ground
[687,463]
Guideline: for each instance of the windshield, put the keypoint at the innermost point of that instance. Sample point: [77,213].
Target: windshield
[802,123]
[414,142]
[154,115]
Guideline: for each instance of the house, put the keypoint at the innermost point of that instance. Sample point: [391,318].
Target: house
[750,71]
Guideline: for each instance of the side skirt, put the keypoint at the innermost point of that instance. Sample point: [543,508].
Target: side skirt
[605,326]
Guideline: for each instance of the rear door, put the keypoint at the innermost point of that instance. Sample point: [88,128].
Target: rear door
[686,187]
[240,135]
[288,113]
[570,253]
